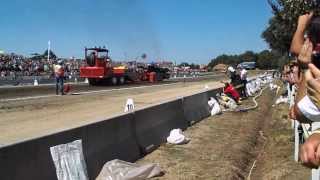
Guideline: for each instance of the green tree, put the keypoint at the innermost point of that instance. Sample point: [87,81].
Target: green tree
[283,24]
[248,56]
[267,60]
[194,66]
[184,64]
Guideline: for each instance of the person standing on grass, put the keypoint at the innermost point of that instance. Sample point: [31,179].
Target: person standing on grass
[243,77]
[232,74]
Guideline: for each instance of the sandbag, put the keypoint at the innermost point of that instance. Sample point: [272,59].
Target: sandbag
[227,102]
[121,170]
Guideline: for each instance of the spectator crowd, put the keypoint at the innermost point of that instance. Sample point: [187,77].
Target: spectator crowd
[12,65]
[302,77]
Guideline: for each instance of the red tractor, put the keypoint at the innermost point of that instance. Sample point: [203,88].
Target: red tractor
[99,68]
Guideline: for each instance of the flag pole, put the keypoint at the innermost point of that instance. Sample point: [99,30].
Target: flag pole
[49,44]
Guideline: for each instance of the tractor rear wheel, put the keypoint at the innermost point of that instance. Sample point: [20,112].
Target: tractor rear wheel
[114,80]
[121,80]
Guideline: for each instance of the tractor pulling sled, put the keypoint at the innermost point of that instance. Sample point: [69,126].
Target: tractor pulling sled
[100,69]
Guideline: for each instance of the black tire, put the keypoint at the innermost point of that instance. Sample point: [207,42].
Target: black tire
[114,81]
[159,76]
[121,80]
[93,82]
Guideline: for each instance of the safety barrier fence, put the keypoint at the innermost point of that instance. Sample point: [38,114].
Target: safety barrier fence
[127,136]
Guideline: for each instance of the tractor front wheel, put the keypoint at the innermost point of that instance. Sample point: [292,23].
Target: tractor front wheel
[93,82]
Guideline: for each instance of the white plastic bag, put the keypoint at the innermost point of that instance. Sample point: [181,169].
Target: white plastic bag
[69,161]
[121,170]
[249,88]
[281,99]
[176,137]
[273,86]
[214,106]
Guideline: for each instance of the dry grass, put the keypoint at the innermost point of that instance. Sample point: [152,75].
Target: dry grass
[221,147]
[225,147]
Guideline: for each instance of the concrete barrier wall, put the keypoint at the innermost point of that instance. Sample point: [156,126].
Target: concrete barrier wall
[196,107]
[101,141]
[108,140]
[127,137]
[32,160]
[153,125]
[213,93]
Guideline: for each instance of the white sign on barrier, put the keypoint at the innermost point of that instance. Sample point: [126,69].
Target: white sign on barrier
[129,105]
[35,82]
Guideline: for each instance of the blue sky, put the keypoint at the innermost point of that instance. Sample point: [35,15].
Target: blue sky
[178,30]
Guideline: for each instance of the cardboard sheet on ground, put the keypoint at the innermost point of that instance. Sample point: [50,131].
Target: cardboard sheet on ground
[69,161]
[121,170]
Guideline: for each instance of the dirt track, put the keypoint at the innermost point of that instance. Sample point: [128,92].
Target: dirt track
[226,146]
[21,120]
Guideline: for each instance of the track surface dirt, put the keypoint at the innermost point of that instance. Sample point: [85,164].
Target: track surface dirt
[226,146]
[25,119]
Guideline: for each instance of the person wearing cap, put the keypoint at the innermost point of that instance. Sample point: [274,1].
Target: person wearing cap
[59,74]
[232,73]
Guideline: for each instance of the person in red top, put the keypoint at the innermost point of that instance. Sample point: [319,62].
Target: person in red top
[232,92]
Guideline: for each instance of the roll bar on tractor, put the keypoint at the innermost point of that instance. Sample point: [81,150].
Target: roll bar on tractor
[96,49]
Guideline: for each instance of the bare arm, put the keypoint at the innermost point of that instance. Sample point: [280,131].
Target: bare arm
[298,38]
[310,151]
